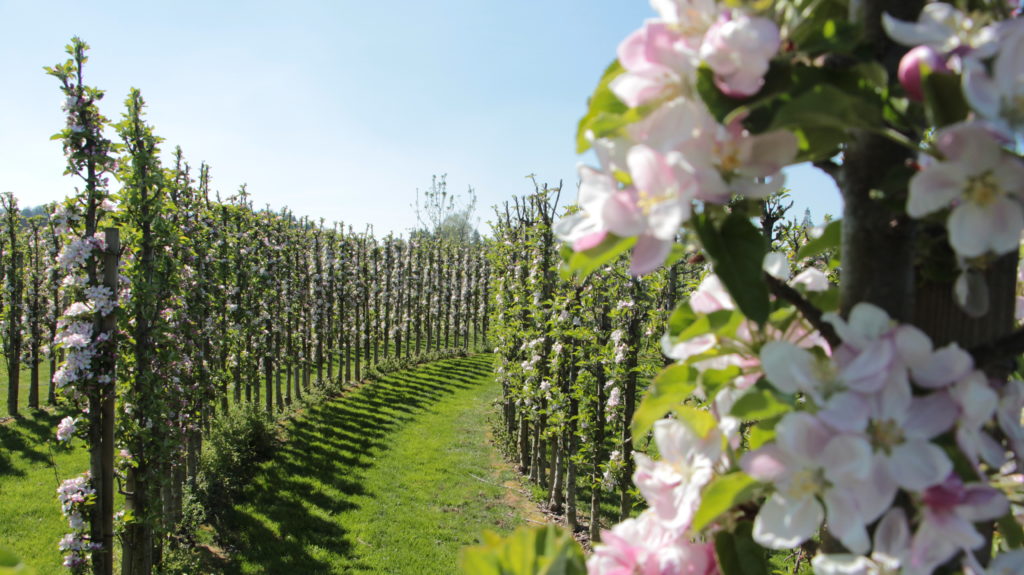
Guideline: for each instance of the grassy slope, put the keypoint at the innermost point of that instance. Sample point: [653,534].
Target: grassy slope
[381,480]
[31,524]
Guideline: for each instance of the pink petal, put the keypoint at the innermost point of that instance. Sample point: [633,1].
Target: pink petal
[768,463]
[648,255]
[589,241]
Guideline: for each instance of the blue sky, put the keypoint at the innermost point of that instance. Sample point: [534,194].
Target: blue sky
[336,109]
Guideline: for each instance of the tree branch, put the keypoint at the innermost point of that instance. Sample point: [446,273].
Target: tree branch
[812,314]
[1003,349]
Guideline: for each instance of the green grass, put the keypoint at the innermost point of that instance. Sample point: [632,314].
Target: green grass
[395,477]
[31,524]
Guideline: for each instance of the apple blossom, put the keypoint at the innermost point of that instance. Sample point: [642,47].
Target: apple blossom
[983,184]
[940,26]
[807,461]
[738,48]
[658,65]
[690,18]
[947,523]
[672,485]
[644,545]
[66,429]
[999,96]
[977,402]
[890,549]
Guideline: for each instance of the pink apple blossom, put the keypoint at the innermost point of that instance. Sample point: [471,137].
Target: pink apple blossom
[739,48]
[949,513]
[672,485]
[658,65]
[644,546]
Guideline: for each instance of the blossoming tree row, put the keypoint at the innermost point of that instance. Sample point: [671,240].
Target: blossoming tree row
[174,304]
[572,358]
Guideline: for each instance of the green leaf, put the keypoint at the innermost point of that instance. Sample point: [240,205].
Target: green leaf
[604,109]
[681,319]
[944,102]
[830,239]
[737,251]
[670,388]
[714,379]
[737,552]
[718,103]
[1011,531]
[822,115]
[685,324]
[587,262]
[547,550]
[723,494]
[827,300]
[761,433]
[833,36]
[699,420]
[758,404]
[828,106]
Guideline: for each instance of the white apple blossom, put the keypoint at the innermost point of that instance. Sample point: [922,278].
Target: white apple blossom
[940,26]
[983,184]
[999,96]
[809,461]
[889,551]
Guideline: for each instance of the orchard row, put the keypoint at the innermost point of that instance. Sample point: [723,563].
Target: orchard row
[166,305]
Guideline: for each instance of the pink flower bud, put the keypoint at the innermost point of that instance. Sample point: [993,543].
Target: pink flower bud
[909,71]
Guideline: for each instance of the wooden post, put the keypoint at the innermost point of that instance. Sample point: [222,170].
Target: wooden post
[108,395]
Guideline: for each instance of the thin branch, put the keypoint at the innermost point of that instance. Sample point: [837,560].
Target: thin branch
[1004,348]
[812,314]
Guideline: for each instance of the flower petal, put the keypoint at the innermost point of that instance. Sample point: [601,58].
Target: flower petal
[845,522]
[785,523]
[649,253]
[935,188]
[943,367]
[918,464]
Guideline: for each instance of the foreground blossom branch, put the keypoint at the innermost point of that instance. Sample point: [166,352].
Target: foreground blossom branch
[812,314]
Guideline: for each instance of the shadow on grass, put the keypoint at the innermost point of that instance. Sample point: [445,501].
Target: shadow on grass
[27,436]
[287,520]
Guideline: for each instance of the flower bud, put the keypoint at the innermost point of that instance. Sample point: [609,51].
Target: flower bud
[909,72]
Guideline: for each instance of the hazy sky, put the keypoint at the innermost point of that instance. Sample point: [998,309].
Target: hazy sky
[336,109]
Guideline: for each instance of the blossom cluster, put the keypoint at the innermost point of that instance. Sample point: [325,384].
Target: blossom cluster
[75,496]
[650,177]
[969,171]
[886,429]
[896,446]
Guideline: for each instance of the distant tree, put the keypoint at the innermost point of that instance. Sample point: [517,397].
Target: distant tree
[32,211]
[444,214]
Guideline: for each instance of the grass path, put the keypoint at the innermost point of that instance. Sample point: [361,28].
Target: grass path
[393,478]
